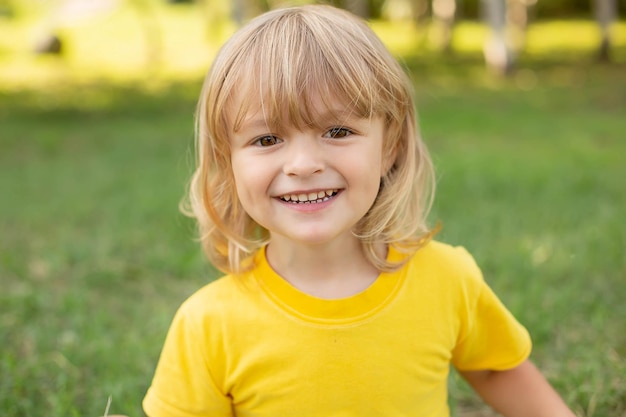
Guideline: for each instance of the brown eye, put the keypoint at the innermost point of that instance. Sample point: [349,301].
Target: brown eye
[338,132]
[267,141]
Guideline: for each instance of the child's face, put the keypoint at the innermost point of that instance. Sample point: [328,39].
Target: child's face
[308,186]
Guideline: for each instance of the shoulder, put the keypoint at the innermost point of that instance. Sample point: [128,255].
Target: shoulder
[454,260]
[218,299]
[221,288]
[442,250]
[448,271]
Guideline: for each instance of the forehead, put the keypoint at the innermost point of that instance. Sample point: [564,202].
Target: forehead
[250,108]
[318,102]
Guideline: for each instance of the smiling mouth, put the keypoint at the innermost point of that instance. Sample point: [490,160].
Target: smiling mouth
[309,198]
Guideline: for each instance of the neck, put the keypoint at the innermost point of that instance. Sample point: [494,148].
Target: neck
[335,270]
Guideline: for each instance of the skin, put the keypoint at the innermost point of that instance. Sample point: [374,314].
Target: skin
[518,392]
[312,245]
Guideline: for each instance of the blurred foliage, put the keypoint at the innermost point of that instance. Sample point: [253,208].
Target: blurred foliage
[467,9]
[543,9]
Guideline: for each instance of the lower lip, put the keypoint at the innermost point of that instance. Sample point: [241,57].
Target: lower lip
[309,207]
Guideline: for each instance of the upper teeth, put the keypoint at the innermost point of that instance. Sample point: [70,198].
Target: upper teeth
[304,198]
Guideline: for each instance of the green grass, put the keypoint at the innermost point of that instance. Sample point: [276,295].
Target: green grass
[95,257]
[532,182]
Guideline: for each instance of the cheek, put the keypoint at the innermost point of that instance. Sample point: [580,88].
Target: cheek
[366,174]
[376,163]
[250,182]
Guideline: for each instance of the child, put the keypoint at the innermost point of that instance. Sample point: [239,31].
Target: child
[311,193]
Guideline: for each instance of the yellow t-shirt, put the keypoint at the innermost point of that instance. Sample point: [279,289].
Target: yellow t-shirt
[254,346]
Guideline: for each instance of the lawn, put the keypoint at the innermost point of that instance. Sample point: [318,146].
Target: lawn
[95,257]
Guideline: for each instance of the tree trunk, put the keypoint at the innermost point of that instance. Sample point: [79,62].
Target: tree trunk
[444,12]
[517,22]
[606,14]
[358,7]
[420,10]
[497,51]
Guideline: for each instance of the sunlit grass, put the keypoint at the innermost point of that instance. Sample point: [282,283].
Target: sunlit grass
[160,42]
[164,42]
[573,37]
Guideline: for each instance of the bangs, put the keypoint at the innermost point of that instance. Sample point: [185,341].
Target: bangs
[298,71]
[305,67]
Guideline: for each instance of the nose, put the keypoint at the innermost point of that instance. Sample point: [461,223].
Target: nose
[304,156]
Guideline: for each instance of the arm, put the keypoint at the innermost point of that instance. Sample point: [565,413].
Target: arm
[518,392]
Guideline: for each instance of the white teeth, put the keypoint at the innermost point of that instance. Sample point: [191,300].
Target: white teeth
[317,197]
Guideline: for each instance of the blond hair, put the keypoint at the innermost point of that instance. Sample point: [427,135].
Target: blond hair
[288,56]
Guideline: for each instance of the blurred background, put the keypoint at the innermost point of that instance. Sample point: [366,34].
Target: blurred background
[522,103]
[83,39]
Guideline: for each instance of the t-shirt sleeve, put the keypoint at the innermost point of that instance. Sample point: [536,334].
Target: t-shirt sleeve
[490,337]
[183,385]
